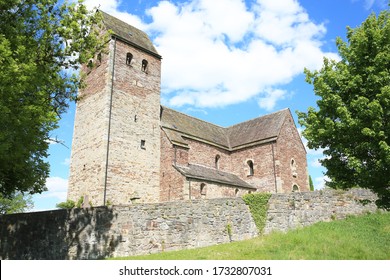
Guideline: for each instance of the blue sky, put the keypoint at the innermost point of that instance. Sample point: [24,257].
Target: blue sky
[227,61]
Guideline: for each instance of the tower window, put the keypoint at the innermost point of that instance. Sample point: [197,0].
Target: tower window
[129,58]
[99,58]
[295,188]
[90,63]
[203,190]
[144,65]
[143,144]
[217,158]
[293,168]
[251,170]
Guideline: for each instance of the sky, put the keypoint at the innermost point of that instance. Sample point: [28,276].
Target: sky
[227,61]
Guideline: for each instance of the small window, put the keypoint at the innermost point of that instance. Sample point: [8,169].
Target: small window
[99,59]
[203,190]
[251,170]
[295,188]
[90,63]
[293,167]
[129,58]
[144,65]
[143,144]
[236,191]
[217,158]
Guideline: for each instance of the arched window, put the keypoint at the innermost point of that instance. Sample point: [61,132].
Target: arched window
[251,170]
[236,192]
[129,58]
[295,188]
[293,167]
[90,63]
[217,158]
[144,66]
[203,190]
[99,58]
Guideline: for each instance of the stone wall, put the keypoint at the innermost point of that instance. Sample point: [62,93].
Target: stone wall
[288,211]
[95,233]
[124,230]
[291,163]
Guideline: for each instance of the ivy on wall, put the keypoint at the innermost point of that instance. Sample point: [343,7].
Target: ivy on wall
[258,205]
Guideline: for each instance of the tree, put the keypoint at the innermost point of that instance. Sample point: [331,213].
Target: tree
[352,123]
[42,44]
[16,203]
[311,184]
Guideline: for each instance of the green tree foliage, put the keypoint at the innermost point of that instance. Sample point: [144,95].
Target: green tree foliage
[311,183]
[352,123]
[16,203]
[42,44]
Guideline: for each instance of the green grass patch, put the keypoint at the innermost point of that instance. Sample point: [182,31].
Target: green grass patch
[364,237]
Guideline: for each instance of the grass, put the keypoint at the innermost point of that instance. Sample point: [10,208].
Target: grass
[365,237]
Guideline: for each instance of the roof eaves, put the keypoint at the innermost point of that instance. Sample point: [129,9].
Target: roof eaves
[255,143]
[219,181]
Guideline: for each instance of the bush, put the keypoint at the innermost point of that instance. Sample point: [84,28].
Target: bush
[69,204]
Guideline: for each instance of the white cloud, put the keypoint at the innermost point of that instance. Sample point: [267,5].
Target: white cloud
[268,102]
[319,182]
[208,63]
[66,161]
[315,163]
[368,4]
[222,52]
[57,187]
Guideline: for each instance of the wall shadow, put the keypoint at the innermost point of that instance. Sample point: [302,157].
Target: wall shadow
[59,234]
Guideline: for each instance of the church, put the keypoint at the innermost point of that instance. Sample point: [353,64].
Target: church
[128,148]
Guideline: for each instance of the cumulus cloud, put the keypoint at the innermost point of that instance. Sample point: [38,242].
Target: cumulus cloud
[57,187]
[319,182]
[223,52]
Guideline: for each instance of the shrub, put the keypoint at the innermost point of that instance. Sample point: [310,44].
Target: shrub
[69,204]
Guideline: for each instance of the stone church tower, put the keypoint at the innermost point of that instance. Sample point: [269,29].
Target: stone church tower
[116,143]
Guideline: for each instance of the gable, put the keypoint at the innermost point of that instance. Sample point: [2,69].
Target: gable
[262,129]
[129,34]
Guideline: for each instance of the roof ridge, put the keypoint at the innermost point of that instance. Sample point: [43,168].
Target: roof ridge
[129,33]
[259,117]
[187,115]
[252,131]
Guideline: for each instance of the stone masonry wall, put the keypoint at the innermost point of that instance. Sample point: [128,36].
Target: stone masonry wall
[291,164]
[95,233]
[288,211]
[123,230]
